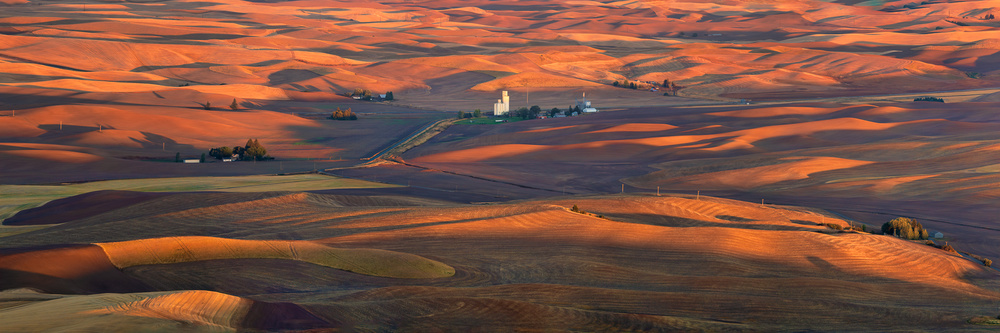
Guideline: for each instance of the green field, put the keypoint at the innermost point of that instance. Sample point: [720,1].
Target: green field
[15,198]
[485,121]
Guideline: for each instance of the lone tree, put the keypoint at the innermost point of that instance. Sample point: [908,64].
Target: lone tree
[388,96]
[208,105]
[234,106]
[666,83]
[905,228]
[202,160]
[177,157]
[535,111]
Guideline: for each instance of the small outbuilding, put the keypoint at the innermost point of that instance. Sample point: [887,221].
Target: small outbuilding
[938,235]
[192,160]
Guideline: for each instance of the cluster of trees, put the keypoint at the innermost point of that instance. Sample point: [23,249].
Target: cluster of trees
[667,85]
[366,94]
[343,114]
[905,228]
[535,110]
[928,99]
[527,113]
[251,151]
[670,87]
[626,84]
[234,106]
[474,114]
[989,17]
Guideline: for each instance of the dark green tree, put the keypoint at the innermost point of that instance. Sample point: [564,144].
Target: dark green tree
[666,83]
[554,111]
[477,113]
[615,84]
[221,152]
[534,111]
[522,112]
[177,157]
[202,160]
[388,96]
[208,105]
[928,99]
[461,114]
[234,106]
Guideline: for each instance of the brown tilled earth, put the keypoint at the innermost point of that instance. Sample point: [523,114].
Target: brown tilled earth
[480,236]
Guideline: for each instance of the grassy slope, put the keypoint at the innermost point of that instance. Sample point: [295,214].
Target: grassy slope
[15,198]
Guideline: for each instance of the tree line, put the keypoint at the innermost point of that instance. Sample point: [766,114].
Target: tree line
[251,151]
[670,87]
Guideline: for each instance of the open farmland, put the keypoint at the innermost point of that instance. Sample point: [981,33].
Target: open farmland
[737,177]
[639,262]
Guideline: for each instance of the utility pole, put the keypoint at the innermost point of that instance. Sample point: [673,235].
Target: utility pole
[623,187]
[698,196]
[657,191]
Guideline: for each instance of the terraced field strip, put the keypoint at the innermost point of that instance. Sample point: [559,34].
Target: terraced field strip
[15,198]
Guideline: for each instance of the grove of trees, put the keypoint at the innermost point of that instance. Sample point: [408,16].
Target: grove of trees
[343,114]
[928,99]
[905,228]
[251,151]
[527,113]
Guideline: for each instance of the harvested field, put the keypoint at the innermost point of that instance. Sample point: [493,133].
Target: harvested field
[636,262]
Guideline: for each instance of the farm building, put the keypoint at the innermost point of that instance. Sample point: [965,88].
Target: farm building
[584,105]
[502,106]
